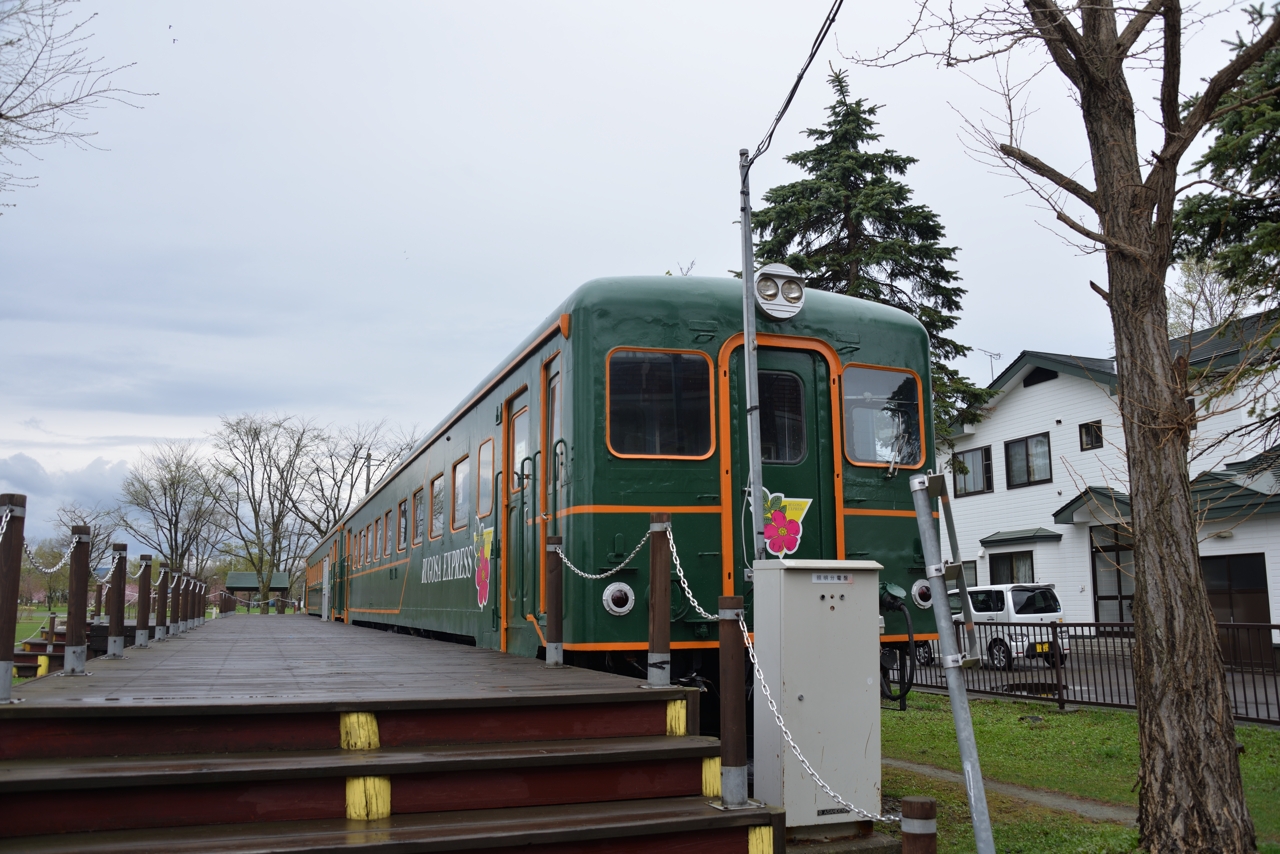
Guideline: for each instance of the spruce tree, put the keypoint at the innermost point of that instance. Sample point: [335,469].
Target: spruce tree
[851,228]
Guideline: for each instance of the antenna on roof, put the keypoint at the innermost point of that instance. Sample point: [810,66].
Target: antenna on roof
[992,358]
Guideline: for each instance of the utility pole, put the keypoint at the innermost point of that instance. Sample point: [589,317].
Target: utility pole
[755,486]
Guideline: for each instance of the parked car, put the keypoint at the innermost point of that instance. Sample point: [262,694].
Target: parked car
[1014,603]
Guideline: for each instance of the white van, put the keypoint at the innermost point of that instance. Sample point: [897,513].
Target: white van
[1013,603]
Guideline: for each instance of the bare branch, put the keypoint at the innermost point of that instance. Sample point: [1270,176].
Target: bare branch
[1172,73]
[1133,31]
[1044,170]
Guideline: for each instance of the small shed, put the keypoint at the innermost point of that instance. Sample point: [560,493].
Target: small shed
[247,582]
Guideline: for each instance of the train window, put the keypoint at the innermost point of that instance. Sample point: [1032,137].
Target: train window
[519,447]
[782,430]
[659,404]
[417,516]
[386,534]
[364,546]
[484,489]
[436,526]
[461,494]
[402,534]
[377,539]
[882,421]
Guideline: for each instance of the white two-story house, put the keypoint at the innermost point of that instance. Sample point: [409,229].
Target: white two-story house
[1043,497]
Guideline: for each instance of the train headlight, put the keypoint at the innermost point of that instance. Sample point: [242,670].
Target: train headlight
[619,598]
[779,301]
[922,594]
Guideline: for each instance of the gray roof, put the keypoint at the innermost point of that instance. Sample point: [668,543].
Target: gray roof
[249,581]
[1225,344]
[1103,495]
[1022,535]
[1102,371]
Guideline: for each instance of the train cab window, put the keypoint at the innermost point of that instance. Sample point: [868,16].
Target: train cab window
[386,534]
[461,515]
[659,404]
[484,488]
[882,417]
[417,517]
[782,432]
[519,447]
[436,526]
[402,526]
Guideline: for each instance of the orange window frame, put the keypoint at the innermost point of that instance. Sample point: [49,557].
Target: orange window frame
[386,534]
[402,524]
[481,474]
[415,534]
[431,508]
[453,496]
[377,538]
[515,464]
[844,443]
[711,404]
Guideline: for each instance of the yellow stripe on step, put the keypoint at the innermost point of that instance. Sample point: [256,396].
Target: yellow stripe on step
[760,840]
[368,798]
[677,718]
[711,777]
[358,731]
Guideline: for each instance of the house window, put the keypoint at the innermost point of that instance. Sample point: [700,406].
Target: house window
[484,489]
[1012,568]
[461,494]
[435,527]
[882,417]
[970,568]
[402,537]
[782,432]
[386,534]
[977,475]
[417,516]
[1026,461]
[1237,586]
[1091,435]
[659,404]
[1112,574]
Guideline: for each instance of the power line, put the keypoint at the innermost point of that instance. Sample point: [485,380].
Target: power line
[827,24]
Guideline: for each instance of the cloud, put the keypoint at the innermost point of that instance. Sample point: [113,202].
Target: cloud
[98,483]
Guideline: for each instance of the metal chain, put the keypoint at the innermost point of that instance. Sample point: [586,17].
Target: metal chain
[32,558]
[613,571]
[768,695]
[684,584]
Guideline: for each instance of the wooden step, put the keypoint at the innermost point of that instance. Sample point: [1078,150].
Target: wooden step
[115,730]
[687,825]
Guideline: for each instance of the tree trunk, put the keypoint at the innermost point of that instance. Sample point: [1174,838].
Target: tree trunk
[1191,798]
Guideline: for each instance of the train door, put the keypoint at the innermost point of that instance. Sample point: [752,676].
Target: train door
[326,579]
[520,531]
[796,454]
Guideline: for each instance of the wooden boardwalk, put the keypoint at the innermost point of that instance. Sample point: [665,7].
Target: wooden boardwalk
[279,663]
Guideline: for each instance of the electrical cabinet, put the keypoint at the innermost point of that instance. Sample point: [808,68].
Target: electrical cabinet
[817,635]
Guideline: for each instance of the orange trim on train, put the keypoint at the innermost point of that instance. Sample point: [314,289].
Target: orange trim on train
[636,646]
[897,638]
[403,560]
[635,508]
[537,628]
[919,407]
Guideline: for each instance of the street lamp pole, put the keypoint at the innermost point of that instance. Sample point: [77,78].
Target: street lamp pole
[755,486]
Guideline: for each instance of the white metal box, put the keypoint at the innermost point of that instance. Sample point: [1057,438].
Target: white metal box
[817,635]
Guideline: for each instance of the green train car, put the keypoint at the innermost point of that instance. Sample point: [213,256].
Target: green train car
[628,400]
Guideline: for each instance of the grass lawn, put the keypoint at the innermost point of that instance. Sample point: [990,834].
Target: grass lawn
[1091,753]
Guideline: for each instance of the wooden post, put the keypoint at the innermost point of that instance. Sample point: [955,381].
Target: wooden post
[659,600]
[115,600]
[919,825]
[733,705]
[555,603]
[175,606]
[144,603]
[15,507]
[162,601]
[76,652]
[53,631]
[97,603]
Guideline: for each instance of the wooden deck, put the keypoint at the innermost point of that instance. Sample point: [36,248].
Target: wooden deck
[280,663]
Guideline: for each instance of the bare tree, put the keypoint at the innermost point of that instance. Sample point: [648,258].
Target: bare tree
[1191,794]
[103,524]
[256,480]
[1201,298]
[48,79]
[341,465]
[166,504]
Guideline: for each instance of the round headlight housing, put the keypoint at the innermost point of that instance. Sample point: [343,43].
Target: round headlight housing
[779,291]
[619,598]
[922,594]
[767,288]
[792,291]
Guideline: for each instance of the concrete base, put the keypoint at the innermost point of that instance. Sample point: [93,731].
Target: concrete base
[140,639]
[877,842]
[115,647]
[73,661]
[160,632]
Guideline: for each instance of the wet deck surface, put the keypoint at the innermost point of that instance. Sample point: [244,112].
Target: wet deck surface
[274,663]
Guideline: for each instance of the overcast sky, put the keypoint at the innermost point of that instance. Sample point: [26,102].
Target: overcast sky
[352,212]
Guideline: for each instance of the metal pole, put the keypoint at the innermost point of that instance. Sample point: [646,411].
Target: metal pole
[143,625]
[162,601]
[659,601]
[749,361]
[15,508]
[76,651]
[733,705]
[175,606]
[555,603]
[115,600]
[951,663]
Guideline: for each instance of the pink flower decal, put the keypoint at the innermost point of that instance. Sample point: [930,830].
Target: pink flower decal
[782,535]
[482,580]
